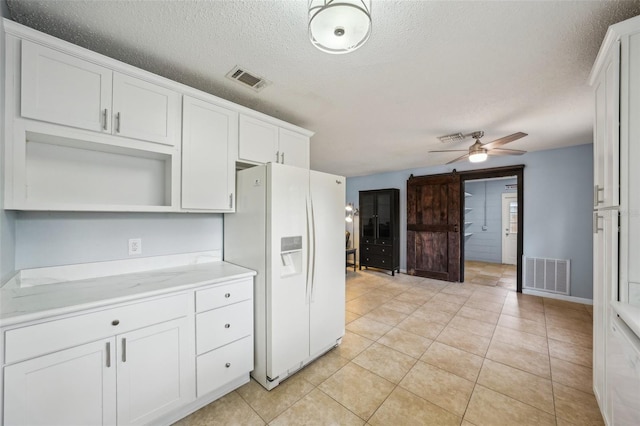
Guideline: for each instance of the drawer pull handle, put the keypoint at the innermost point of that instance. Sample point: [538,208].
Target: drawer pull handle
[227,295]
[115,322]
[227,325]
[228,365]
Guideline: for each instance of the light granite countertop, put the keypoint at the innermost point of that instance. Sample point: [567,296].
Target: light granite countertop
[27,303]
[630,314]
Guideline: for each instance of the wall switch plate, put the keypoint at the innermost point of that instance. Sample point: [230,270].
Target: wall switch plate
[484,227]
[135,246]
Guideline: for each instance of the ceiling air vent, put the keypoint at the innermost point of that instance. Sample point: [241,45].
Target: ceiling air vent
[247,79]
[455,137]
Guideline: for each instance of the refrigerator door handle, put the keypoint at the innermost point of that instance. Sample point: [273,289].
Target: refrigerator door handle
[306,205]
[313,245]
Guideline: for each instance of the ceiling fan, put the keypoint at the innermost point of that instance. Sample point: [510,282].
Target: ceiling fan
[478,151]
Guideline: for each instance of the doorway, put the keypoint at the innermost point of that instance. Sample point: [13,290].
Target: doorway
[509,229]
[488,227]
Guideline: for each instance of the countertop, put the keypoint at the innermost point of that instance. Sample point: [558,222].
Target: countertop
[20,304]
[630,314]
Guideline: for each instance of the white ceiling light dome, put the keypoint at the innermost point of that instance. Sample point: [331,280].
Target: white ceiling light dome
[339,26]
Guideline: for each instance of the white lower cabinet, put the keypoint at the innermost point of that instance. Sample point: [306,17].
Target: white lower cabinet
[220,366]
[76,386]
[153,365]
[130,364]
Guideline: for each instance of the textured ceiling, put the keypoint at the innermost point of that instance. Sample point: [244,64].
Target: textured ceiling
[429,69]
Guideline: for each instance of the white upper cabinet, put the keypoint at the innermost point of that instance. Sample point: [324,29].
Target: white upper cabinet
[294,148]
[258,141]
[606,133]
[209,147]
[262,142]
[64,89]
[61,88]
[84,132]
[145,111]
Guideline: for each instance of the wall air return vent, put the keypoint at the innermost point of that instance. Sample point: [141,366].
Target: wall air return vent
[247,78]
[550,275]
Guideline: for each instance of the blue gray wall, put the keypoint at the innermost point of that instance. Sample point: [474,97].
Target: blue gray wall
[558,186]
[7,219]
[484,245]
[60,238]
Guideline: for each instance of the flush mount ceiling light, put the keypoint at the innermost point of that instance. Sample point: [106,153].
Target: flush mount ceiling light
[339,26]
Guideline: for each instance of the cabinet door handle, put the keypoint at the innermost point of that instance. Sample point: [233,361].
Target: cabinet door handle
[231,200]
[282,156]
[277,156]
[227,295]
[227,325]
[228,365]
[596,218]
[124,349]
[104,119]
[108,354]
[118,122]
[596,197]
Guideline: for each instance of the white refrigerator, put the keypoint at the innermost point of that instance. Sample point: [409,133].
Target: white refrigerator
[289,227]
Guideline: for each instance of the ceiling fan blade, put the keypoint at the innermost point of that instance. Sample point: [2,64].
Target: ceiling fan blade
[502,151]
[459,159]
[452,150]
[504,140]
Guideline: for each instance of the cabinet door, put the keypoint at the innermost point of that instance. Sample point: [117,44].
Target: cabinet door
[605,289]
[209,144]
[63,89]
[294,149]
[384,228]
[607,134]
[76,386]
[156,371]
[258,141]
[367,218]
[145,111]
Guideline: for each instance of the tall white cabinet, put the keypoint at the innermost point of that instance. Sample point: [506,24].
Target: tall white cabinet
[615,79]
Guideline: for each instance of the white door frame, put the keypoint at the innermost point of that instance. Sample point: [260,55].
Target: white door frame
[509,240]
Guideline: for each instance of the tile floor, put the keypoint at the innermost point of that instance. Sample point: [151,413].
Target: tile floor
[491,274]
[425,352]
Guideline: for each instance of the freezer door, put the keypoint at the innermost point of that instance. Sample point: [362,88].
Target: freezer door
[287,260]
[327,267]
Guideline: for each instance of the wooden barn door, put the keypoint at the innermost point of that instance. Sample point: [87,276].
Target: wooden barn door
[433,226]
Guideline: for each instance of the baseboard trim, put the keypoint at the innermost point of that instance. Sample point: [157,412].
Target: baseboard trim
[558,296]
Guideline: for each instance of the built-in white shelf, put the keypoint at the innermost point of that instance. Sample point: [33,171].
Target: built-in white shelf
[466,194]
[468,234]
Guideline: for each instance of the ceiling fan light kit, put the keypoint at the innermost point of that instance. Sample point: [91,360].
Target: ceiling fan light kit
[339,26]
[478,156]
[478,152]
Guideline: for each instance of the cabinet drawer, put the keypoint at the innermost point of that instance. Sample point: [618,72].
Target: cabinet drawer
[377,261]
[223,365]
[224,325]
[31,341]
[224,295]
[376,250]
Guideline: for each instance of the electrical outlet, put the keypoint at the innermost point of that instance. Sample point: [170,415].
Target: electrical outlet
[135,246]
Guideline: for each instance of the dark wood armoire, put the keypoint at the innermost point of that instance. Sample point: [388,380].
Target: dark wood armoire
[380,229]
